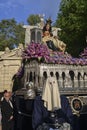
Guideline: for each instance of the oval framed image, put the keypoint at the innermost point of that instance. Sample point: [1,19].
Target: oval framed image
[76,104]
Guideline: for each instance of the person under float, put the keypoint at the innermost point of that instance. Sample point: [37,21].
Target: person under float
[52,111]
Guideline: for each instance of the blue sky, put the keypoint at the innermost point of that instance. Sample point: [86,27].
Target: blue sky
[21,9]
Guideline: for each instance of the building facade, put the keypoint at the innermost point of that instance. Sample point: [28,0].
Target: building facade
[10,61]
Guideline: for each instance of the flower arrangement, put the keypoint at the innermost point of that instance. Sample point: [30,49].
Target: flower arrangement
[36,50]
[41,51]
[43,54]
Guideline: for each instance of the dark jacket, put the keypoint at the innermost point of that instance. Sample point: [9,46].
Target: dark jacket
[41,114]
[7,112]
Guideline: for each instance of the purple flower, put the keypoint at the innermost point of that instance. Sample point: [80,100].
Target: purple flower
[43,54]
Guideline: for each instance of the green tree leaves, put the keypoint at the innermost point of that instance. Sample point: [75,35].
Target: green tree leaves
[11,34]
[72,19]
[33,19]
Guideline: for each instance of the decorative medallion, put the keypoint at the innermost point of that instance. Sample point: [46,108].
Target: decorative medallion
[76,104]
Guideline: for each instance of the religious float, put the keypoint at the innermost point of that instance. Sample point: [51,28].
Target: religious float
[38,61]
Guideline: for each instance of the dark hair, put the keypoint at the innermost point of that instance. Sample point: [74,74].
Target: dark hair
[5,91]
[44,28]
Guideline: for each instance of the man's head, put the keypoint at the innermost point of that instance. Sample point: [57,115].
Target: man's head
[7,95]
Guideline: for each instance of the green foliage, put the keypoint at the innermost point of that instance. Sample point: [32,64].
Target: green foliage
[11,34]
[33,19]
[72,19]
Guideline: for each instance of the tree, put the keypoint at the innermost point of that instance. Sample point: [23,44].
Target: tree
[11,34]
[33,19]
[72,19]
